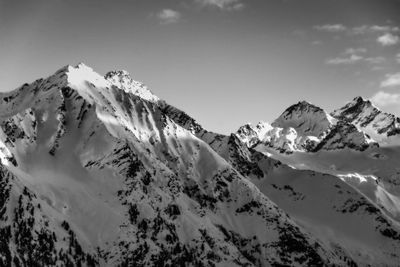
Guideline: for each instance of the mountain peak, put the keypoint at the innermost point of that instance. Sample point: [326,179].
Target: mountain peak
[302,107]
[307,118]
[82,65]
[354,108]
[367,117]
[78,67]
[359,100]
[122,79]
[121,74]
[81,74]
[304,103]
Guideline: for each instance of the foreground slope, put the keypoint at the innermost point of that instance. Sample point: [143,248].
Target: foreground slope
[342,216]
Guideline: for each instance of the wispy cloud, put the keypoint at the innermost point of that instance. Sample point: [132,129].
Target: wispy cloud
[377,68]
[331,28]
[344,60]
[350,51]
[349,56]
[352,56]
[375,60]
[316,42]
[168,16]
[388,39]
[384,28]
[223,4]
[391,80]
[357,30]
[373,29]
[384,99]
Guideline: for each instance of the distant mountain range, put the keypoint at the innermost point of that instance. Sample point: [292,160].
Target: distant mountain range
[305,127]
[98,171]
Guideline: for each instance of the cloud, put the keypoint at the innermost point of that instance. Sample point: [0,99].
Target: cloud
[344,60]
[168,16]
[373,29]
[375,60]
[316,42]
[391,80]
[358,30]
[377,28]
[377,68]
[388,39]
[398,58]
[331,28]
[352,56]
[350,51]
[223,4]
[384,99]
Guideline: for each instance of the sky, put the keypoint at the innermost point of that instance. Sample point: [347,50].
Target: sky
[224,62]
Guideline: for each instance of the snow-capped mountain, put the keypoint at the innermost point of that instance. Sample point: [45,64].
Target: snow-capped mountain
[98,171]
[381,126]
[308,128]
[252,135]
[306,118]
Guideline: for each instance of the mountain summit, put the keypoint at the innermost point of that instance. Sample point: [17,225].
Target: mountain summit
[379,125]
[98,171]
[122,79]
[306,118]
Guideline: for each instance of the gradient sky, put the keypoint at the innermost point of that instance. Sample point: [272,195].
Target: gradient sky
[225,62]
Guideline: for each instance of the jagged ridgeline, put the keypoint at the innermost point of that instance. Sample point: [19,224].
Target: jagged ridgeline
[98,171]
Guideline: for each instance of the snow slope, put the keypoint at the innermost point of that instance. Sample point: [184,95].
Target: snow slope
[354,214]
[359,222]
[348,156]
